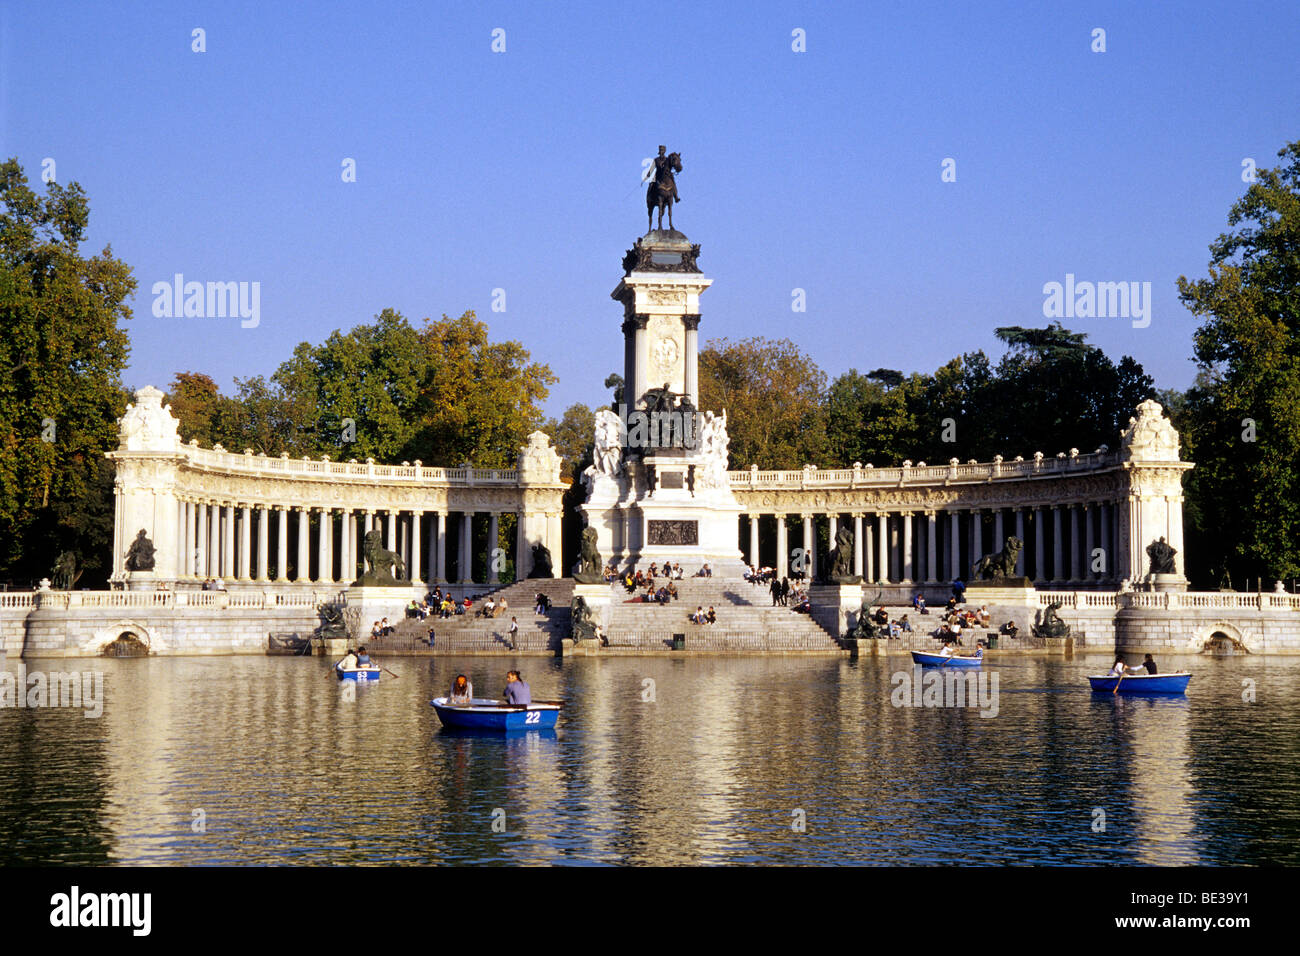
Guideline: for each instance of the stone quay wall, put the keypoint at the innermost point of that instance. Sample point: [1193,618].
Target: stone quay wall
[83,623]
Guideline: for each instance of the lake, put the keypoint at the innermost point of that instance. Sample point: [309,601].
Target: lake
[236,760]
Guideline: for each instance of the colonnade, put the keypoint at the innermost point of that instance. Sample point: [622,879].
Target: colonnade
[233,541]
[1069,543]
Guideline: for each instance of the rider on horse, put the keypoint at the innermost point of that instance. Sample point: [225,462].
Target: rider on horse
[664,176]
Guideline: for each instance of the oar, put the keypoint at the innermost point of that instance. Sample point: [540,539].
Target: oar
[383,668]
[1118,682]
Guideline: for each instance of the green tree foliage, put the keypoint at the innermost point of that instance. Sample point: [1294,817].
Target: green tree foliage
[573,435]
[62,352]
[1243,415]
[772,393]
[443,394]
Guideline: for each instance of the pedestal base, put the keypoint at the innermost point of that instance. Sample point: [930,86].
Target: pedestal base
[377,604]
[836,607]
[1168,582]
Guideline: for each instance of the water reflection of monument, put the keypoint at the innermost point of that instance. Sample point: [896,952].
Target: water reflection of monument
[658,488]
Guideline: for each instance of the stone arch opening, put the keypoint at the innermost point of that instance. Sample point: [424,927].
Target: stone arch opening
[126,644]
[1222,640]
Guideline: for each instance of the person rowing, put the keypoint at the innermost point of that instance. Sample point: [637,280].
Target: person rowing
[517,691]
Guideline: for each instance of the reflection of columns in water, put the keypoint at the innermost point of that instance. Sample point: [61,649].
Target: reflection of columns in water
[1161,786]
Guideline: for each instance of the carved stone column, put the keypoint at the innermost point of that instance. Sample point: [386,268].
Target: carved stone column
[282,546]
[1040,546]
[263,542]
[857,545]
[782,548]
[1058,563]
[753,540]
[415,547]
[809,547]
[954,545]
[1090,541]
[347,534]
[467,548]
[931,547]
[245,543]
[442,546]
[1074,544]
[907,547]
[228,542]
[882,545]
[304,545]
[494,534]
[1020,533]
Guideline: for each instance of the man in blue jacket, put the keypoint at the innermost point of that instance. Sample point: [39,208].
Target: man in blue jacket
[517,690]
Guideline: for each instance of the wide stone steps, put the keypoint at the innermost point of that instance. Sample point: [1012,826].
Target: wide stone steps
[746,620]
[470,634]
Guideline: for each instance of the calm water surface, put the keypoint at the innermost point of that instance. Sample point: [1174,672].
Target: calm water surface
[286,769]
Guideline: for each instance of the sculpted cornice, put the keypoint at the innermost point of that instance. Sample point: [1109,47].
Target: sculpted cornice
[1074,489]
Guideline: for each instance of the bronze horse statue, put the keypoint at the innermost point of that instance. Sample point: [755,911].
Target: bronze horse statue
[663,191]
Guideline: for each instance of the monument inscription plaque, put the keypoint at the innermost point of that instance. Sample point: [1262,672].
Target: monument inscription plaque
[679,532]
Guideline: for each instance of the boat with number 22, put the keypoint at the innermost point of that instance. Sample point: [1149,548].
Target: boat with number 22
[485,714]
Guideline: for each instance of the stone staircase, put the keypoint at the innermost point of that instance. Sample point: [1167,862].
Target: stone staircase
[467,634]
[747,621]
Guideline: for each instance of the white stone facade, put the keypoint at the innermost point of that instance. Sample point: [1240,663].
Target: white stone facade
[250,520]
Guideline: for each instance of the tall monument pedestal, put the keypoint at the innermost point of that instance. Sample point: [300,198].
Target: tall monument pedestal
[658,490]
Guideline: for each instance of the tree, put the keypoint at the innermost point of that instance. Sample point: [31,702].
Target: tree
[62,352]
[1244,411]
[573,435]
[772,393]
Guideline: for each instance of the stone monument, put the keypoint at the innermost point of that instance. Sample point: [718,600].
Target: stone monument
[657,489]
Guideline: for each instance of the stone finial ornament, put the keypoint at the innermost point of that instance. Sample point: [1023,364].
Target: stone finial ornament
[538,461]
[1150,436]
[148,424]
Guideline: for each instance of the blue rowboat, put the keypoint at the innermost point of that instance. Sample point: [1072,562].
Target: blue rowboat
[938,660]
[1142,683]
[485,714]
[359,674]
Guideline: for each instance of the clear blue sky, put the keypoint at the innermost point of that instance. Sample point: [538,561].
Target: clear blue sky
[520,170]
